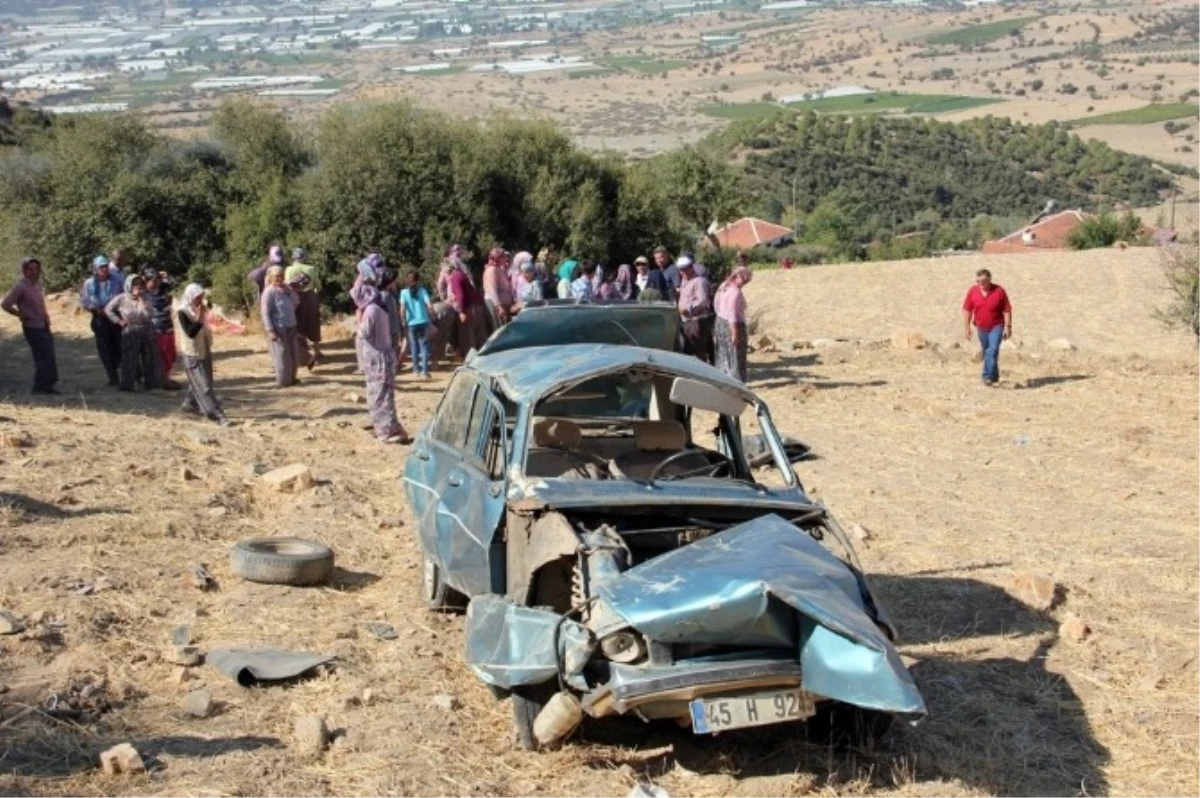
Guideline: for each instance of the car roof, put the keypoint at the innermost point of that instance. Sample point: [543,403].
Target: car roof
[527,375]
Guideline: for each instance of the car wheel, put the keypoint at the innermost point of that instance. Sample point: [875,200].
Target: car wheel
[847,726]
[435,593]
[527,702]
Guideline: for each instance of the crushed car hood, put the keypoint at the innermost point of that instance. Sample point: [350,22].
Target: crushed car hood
[651,325]
[760,584]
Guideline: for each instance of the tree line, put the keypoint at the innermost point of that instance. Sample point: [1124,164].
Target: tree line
[888,187]
[390,178]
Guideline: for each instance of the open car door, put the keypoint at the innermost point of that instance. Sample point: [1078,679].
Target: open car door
[652,325]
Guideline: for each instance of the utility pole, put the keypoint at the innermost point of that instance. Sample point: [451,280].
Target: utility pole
[1174,193]
[794,200]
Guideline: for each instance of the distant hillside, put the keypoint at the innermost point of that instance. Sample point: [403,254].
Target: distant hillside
[884,172]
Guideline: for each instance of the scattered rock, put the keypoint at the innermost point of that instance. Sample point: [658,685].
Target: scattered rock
[256,470]
[122,759]
[311,734]
[198,703]
[19,439]
[200,577]
[445,702]
[187,475]
[220,511]
[290,479]
[765,344]
[9,624]
[1037,590]
[909,339]
[181,635]
[183,675]
[1061,344]
[384,631]
[823,343]
[187,656]
[798,345]
[356,399]
[37,617]
[1073,629]
[859,533]
[202,439]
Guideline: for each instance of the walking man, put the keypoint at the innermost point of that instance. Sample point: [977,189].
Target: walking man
[98,290]
[26,301]
[988,307]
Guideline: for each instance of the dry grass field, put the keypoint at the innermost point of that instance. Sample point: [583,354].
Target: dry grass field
[1081,466]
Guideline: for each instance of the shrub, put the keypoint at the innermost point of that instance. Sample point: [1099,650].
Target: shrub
[1181,267]
[1104,231]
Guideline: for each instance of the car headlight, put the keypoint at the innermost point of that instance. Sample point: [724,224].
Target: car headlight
[623,647]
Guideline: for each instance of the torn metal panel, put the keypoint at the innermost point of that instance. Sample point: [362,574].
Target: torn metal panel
[533,543]
[731,588]
[509,645]
[648,324]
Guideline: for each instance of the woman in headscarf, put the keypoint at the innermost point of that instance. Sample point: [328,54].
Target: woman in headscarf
[528,287]
[497,289]
[134,314]
[195,345]
[279,320]
[568,271]
[308,319]
[730,307]
[379,365]
[623,285]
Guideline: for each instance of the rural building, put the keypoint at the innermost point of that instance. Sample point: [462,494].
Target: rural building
[748,233]
[1045,232]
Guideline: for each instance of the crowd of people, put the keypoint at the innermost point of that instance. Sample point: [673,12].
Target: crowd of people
[141,330]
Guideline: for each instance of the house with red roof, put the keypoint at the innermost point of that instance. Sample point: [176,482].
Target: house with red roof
[1046,232]
[748,233]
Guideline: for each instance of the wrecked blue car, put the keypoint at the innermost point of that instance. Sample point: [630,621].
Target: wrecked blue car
[593,507]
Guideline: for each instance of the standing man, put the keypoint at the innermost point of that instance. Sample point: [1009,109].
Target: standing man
[695,311]
[988,307]
[117,265]
[98,290]
[27,302]
[670,272]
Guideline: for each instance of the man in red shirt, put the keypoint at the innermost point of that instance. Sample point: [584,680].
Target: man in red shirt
[988,306]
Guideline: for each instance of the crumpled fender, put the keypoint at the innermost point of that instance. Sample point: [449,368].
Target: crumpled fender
[746,586]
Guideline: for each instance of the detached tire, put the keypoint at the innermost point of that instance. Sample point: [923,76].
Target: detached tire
[281,561]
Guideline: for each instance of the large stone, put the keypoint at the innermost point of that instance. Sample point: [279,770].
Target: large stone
[1074,629]
[198,703]
[10,624]
[909,339]
[187,656]
[445,702]
[122,759]
[311,734]
[1037,590]
[289,479]
[16,439]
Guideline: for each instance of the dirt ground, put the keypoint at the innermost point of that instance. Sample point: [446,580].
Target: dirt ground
[1081,466]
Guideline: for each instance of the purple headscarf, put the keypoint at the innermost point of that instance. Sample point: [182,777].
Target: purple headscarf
[275,255]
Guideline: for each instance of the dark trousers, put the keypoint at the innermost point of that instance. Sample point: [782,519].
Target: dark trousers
[139,356]
[698,338]
[45,366]
[108,344]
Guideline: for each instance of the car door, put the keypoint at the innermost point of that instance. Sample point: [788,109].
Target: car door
[471,501]
[435,452]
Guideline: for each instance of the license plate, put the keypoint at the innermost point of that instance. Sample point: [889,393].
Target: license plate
[711,715]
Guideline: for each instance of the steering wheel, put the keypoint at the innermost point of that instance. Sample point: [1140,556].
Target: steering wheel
[706,470]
